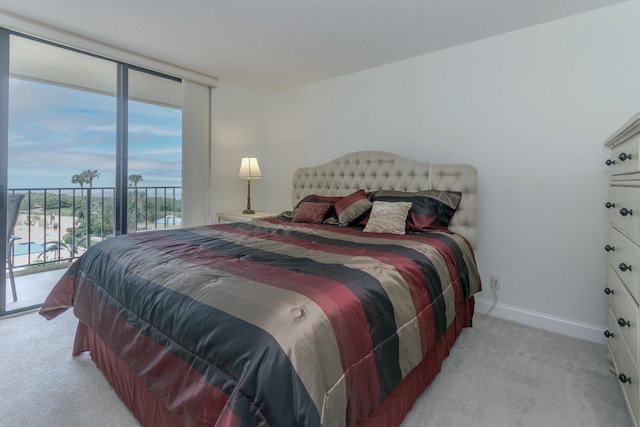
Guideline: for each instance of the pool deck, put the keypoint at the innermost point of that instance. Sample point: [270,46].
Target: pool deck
[39,233]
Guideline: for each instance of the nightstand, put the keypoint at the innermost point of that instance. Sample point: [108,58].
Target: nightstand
[238,216]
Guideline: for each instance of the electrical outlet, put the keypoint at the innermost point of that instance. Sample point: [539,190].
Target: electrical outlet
[495,282]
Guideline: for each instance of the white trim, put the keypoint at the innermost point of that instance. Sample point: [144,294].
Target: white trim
[543,321]
[52,34]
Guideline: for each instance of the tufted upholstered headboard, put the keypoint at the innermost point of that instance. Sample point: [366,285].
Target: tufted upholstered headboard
[379,170]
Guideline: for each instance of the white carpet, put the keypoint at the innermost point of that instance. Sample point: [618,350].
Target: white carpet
[499,373]
[41,384]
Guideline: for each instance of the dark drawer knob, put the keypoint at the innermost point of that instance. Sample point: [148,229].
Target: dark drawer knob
[610,205]
[624,267]
[624,156]
[624,379]
[623,322]
[608,334]
[610,162]
[625,212]
[608,291]
[609,248]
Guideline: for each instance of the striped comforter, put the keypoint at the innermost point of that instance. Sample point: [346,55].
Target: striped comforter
[270,323]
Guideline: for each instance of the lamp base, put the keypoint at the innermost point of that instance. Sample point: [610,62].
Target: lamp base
[248,211]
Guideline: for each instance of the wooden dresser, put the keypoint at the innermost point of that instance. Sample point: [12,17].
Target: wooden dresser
[623,247]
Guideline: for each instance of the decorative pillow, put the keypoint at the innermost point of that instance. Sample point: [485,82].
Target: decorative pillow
[352,207]
[286,216]
[430,209]
[311,212]
[331,217]
[388,217]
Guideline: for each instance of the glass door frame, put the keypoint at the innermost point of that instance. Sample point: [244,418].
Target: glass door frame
[121,189]
[4,163]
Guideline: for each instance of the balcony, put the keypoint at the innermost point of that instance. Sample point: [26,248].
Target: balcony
[33,286]
[57,225]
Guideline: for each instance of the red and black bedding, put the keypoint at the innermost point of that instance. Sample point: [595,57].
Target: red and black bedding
[273,322]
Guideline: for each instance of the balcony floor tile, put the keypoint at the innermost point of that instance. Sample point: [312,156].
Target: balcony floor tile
[32,288]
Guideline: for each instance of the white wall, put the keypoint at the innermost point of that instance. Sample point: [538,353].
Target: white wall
[529,109]
[196,135]
[237,131]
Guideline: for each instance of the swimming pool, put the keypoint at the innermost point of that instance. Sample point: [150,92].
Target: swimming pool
[169,220]
[22,248]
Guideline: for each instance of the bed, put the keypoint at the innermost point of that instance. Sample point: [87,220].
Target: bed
[326,315]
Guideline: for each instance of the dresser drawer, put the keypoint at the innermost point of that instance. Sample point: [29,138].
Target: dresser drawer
[626,313]
[624,258]
[624,210]
[624,365]
[624,157]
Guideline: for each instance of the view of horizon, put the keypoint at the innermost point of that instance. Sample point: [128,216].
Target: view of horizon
[57,132]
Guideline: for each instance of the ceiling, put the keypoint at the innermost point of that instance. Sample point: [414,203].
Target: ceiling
[272,45]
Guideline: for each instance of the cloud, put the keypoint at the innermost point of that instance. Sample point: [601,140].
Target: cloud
[156,130]
[57,132]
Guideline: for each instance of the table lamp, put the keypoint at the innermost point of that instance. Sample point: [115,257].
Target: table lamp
[249,170]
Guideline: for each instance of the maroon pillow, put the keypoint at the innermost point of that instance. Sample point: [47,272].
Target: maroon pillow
[311,212]
[331,217]
[352,208]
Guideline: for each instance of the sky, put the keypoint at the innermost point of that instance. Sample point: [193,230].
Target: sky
[57,132]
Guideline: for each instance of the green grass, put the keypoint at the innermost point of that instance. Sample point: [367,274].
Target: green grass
[63,212]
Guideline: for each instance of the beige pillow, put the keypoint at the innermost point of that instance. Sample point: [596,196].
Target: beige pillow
[388,217]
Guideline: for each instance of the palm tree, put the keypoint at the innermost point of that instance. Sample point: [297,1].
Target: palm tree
[78,179]
[81,179]
[135,179]
[75,240]
[55,249]
[86,177]
[90,175]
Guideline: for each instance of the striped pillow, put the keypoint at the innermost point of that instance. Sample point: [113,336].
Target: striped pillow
[352,207]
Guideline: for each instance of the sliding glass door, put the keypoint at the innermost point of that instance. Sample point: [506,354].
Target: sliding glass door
[91,148]
[155,151]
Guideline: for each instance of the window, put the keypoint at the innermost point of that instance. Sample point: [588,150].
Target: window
[68,149]
[155,151]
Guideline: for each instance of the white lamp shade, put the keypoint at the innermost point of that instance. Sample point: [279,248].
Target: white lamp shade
[249,168]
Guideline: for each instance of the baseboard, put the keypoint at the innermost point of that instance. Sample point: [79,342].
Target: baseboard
[543,321]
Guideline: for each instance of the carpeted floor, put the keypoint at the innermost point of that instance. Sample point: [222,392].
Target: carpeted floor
[499,373]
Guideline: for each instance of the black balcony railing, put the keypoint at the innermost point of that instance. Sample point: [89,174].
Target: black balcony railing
[59,224]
